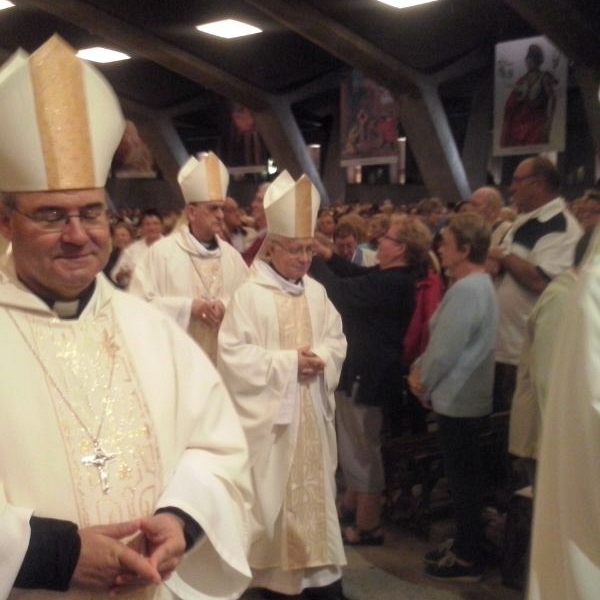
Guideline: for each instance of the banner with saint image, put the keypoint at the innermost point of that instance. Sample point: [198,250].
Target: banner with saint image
[530,97]
[369,119]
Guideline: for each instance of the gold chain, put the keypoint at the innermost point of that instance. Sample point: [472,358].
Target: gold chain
[100,457]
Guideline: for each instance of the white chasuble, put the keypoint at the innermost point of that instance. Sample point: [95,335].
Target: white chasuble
[98,404]
[565,542]
[179,269]
[289,425]
[109,417]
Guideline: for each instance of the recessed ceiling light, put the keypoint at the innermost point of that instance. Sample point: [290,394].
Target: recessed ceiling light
[405,3]
[102,55]
[228,28]
[5,4]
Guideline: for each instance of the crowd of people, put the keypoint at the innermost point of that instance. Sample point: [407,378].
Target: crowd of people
[176,433]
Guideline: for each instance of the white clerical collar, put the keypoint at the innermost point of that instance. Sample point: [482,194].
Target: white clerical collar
[72,309]
[66,309]
[294,288]
[200,248]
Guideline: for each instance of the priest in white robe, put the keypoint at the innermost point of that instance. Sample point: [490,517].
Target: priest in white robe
[151,230]
[123,466]
[281,348]
[193,273]
[565,554]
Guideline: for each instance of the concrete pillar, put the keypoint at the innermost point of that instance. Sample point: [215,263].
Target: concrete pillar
[478,138]
[280,132]
[431,141]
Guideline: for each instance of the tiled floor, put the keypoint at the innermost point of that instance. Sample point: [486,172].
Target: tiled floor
[394,571]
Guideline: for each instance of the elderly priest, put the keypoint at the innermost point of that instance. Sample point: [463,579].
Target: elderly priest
[193,273]
[123,466]
[281,348]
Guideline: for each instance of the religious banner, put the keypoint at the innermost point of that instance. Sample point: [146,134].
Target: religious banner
[243,145]
[133,159]
[369,121]
[530,97]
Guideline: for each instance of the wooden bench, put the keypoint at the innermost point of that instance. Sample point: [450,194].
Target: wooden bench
[413,467]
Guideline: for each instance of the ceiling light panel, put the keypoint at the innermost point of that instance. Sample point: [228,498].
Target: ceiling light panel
[228,28]
[102,55]
[405,3]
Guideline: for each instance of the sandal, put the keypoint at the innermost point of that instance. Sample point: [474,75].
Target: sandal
[353,536]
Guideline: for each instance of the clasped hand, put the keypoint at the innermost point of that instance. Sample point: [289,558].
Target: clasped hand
[415,383]
[209,311]
[309,364]
[129,555]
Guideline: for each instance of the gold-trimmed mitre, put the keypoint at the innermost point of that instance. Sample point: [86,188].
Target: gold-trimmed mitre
[291,206]
[203,180]
[60,121]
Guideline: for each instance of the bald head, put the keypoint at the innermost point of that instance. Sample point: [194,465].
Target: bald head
[535,182]
[487,201]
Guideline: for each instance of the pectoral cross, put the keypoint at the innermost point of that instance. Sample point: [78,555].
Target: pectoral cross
[99,460]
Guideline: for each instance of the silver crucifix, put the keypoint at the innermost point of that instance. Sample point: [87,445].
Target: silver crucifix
[99,460]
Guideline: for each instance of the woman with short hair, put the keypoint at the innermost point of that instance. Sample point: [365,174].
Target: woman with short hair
[454,377]
[376,305]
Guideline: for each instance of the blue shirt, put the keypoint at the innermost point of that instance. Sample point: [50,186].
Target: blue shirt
[457,367]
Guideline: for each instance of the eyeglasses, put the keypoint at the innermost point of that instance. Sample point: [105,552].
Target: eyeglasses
[516,179]
[391,239]
[297,250]
[54,218]
[211,207]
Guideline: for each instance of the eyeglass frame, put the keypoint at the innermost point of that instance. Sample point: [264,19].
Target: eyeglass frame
[60,223]
[385,236]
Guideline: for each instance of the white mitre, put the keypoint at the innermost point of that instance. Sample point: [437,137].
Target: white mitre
[203,180]
[60,121]
[291,206]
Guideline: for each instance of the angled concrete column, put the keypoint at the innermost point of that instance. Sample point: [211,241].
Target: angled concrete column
[422,113]
[430,138]
[334,176]
[478,138]
[279,130]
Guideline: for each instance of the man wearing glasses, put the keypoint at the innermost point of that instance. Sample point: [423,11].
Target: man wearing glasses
[120,447]
[538,247]
[193,273]
[281,348]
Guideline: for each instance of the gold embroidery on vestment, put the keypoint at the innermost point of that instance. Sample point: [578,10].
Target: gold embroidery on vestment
[207,283]
[89,361]
[304,517]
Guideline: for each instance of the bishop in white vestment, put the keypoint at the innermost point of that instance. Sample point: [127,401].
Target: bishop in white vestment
[193,273]
[281,348]
[124,468]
